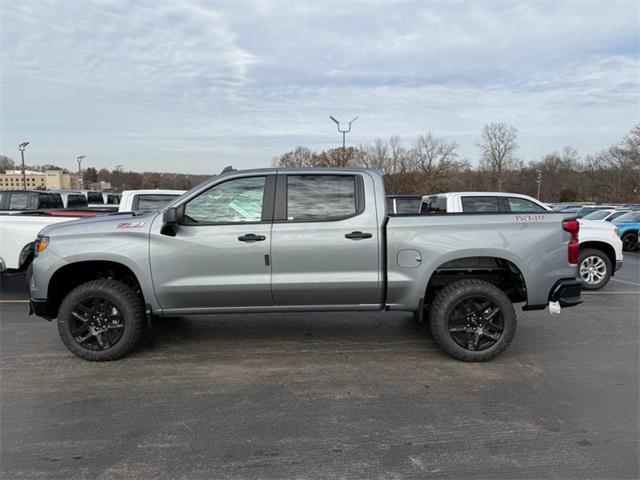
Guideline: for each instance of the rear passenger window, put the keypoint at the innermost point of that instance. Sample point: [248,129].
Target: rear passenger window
[23,201]
[434,204]
[95,197]
[55,200]
[320,197]
[523,205]
[76,201]
[480,204]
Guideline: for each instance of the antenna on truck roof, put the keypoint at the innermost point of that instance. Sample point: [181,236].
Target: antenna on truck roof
[228,168]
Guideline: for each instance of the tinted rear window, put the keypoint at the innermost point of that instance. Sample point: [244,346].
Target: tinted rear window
[523,205]
[434,204]
[95,197]
[51,200]
[113,199]
[76,201]
[320,197]
[408,205]
[152,202]
[480,204]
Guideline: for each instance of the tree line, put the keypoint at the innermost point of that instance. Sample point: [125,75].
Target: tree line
[433,165]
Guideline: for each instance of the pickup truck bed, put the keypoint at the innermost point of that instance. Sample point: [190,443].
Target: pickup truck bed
[299,240]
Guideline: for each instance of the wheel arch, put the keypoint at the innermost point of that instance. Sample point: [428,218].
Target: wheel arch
[504,273]
[72,275]
[604,247]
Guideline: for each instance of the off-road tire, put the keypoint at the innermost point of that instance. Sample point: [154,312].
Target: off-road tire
[444,304]
[128,302]
[591,252]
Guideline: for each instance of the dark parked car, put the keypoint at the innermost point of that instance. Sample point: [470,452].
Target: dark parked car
[24,200]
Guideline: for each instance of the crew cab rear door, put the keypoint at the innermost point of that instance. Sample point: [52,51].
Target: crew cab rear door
[325,241]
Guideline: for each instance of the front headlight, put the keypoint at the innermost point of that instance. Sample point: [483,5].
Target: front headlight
[41,245]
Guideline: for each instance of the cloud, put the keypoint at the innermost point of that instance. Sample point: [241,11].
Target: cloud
[143,82]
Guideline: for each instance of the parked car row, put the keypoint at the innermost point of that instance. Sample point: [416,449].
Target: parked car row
[14,201]
[19,228]
[600,244]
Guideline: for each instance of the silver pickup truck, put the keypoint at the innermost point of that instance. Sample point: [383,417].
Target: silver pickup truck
[297,240]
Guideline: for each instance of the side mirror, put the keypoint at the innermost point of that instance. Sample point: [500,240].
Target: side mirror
[170,216]
[170,219]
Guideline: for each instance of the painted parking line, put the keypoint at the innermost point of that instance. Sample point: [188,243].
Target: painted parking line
[611,293]
[14,301]
[626,281]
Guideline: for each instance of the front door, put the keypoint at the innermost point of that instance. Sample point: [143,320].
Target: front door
[219,257]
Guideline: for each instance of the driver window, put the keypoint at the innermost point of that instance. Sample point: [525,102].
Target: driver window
[234,201]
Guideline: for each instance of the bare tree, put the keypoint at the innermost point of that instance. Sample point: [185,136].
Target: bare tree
[300,157]
[498,144]
[435,158]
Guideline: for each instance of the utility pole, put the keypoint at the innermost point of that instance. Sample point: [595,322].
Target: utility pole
[80,158]
[539,183]
[22,146]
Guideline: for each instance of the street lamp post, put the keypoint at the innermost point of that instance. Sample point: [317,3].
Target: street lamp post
[22,146]
[343,131]
[539,180]
[80,158]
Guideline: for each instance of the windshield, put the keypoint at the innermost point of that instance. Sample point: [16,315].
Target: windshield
[629,217]
[597,215]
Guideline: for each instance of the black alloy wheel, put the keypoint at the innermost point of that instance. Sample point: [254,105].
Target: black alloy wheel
[96,323]
[102,320]
[476,323]
[472,320]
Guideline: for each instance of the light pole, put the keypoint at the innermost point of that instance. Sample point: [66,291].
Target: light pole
[343,131]
[539,182]
[80,158]
[22,146]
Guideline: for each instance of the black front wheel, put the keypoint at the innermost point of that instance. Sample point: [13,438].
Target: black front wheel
[630,241]
[101,320]
[473,320]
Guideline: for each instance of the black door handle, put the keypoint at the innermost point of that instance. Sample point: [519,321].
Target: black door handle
[250,237]
[357,235]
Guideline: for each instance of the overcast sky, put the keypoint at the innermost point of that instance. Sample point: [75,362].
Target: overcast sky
[192,86]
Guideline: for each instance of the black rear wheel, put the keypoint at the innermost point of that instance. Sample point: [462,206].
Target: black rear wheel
[472,320]
[101,320]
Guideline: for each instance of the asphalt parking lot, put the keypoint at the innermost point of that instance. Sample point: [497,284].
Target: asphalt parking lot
[364,395]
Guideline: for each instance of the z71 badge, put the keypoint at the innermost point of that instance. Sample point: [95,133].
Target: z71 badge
[130,225]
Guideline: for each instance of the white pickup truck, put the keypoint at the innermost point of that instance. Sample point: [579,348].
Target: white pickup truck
[147,200]
[600,244]
[18,232]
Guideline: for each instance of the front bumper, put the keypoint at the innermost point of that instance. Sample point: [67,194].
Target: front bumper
[568,292]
